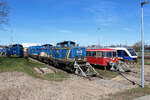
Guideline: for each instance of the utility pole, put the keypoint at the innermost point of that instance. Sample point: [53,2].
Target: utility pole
[142,40]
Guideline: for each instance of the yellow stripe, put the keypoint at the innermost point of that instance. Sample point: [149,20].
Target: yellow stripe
[68,53]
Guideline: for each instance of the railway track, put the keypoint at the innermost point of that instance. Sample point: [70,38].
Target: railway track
[54,69]
[90,78]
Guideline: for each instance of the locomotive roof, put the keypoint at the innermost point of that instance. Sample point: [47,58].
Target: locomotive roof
[102,49]
[13,45]
[47,45]
[65,42]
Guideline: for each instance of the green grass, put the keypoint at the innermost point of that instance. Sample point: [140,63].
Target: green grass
[27,66]
[130,94]
[146,61]
[107,73]
[59,76]
[145,53]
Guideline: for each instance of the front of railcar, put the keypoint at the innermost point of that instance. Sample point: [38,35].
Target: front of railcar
[77,54]
[132,54]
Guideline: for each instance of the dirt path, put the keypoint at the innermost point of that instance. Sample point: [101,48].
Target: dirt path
[19,86]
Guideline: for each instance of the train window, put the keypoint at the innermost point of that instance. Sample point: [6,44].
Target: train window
[88,53]
[132,52]
[99,54]
[119,52]
[103,54]
[109,54]
[93,54]
[125,54]
[72,45]
[114,54]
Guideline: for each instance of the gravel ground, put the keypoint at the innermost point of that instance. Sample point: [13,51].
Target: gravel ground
[143,98]
[19,86]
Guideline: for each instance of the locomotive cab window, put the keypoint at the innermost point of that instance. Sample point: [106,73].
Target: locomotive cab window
[132,52]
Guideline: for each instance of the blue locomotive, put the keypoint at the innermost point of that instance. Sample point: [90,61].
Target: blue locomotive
[34,51]
[65,55]
[45,53]
[3,51]
[68,51]
[15,50]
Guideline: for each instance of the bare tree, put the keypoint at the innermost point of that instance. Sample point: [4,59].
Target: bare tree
[137,46]
[4,13]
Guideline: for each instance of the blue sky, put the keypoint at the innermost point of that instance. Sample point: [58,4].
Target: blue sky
[87,22]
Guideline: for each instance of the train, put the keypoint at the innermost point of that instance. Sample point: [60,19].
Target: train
[107,58]
[15,50]
[65,55]
[126,54]
[71,57]
[3,51]
[102,56]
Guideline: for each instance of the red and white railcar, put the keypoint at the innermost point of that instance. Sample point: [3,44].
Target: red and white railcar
[101,56]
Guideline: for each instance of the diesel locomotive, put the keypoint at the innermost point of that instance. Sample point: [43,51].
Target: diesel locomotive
[15,50]
[65,55]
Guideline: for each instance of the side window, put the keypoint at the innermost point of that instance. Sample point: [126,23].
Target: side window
[99,54]
[125,54]
[109,54]
[94,54]
[103,54]
[114,54]
[89,53]
[119,52]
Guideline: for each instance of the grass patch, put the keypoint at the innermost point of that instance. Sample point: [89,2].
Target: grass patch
[146,61]
[27,66]
[59,76]
[130,94]
[107,73]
